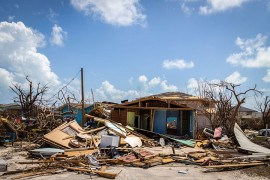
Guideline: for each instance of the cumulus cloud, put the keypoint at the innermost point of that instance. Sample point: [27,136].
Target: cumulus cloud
[194,85]
[142,79]
[177,64]
[236,78]
[266,78]
[115,12]
[58,35]
[19,57]
[167,87]
[214,6]
[107,91]
[154,82]
[254,54]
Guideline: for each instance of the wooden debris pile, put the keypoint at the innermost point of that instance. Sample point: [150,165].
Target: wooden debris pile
[32,128]
[94,151]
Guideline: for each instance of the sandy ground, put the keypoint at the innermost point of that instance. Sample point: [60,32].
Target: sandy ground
[169,171]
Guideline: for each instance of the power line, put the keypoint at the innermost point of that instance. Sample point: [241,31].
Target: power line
[66,84]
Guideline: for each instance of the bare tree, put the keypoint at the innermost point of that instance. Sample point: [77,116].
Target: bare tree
[264,108]
[228,98]
[29,98]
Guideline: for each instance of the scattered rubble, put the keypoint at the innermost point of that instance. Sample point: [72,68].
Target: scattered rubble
[69,147]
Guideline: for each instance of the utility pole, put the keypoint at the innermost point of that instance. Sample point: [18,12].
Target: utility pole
[82,88]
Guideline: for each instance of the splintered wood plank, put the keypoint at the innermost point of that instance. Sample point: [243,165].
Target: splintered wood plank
[167,160]
[80,152]
[234,165]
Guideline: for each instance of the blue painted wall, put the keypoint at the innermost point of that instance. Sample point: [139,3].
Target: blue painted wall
[160,121]
[78,113]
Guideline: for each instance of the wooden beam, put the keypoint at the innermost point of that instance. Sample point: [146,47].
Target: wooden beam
[82,89]
[234,165]
[161,108]
[100,173]
[50,171]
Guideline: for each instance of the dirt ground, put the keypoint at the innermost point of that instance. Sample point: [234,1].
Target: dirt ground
[169,171]
[263,171]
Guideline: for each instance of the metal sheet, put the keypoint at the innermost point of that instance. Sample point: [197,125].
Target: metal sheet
[245,143]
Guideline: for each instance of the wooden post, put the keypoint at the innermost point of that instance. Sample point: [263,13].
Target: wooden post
[151,121]
[173,150]
[82,89]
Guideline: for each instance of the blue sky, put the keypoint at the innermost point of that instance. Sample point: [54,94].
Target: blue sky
[133,48]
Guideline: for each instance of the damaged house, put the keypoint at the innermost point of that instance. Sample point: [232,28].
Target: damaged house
[156,114]
[203,108]
[12,108]
[74,111]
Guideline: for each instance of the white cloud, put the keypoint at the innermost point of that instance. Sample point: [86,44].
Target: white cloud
[154,82]
[8,78]
[214,6]
[266,78]
[142,79]
[192,84]
[115,12]
[58,35]
[167,87]
[236,78]
[143,85]
[254,53]
[108,92]
[6,37]
[178,64]
[19,57]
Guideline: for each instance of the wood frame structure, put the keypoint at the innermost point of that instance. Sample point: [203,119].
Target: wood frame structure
[156,114]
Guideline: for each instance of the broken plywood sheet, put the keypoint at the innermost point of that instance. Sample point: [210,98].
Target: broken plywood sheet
[115,128]
[77,153]
[245,143]
[57,136]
